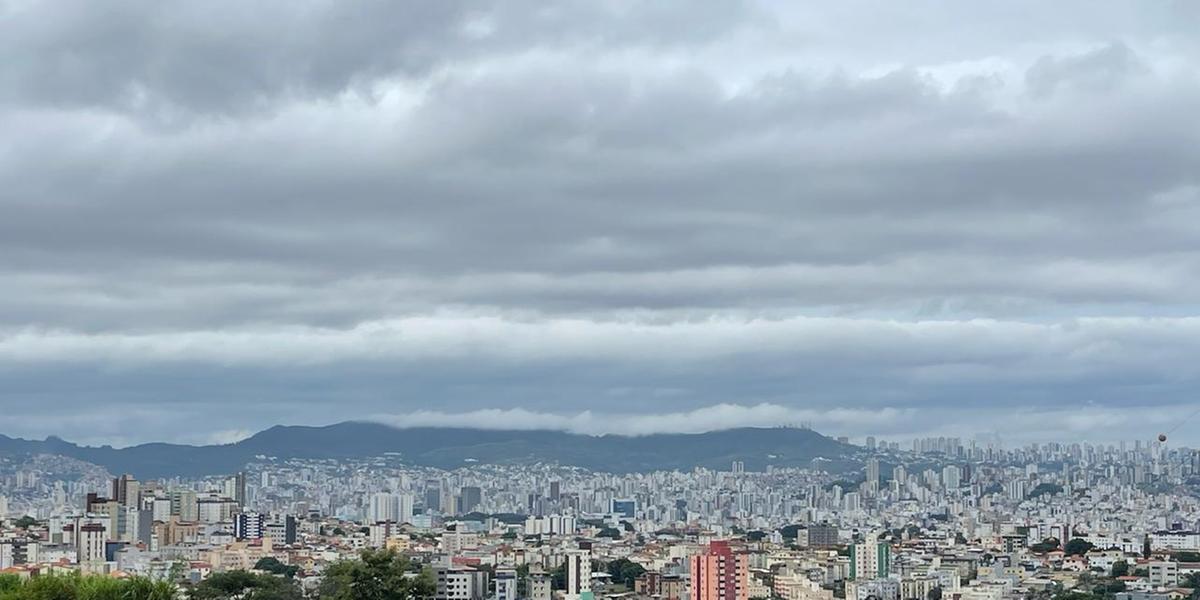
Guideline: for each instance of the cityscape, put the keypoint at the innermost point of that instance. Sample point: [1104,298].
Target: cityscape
[933,518]
[599,300]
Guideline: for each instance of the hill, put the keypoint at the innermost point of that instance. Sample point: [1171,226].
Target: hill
[450,447]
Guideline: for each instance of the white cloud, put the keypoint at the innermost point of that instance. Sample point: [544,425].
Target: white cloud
[709,418]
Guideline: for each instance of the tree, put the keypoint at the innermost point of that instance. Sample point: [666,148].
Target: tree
[1047,545]
[624,571]
[790,532]
[272,565]
[610,532]
[1044,489]
[1192,580]
[1077,547]
[375,575]
[558,577]
[934,594]
[1120,569]
[244,585]
[25,522]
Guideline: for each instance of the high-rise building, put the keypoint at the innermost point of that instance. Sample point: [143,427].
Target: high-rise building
[506,584]
[870,559]
[249,526]
[951,477]
[234,488]
[184,505]
[538,584]
[719,573]
[390,507]
[579,575]
[872,470]
[90,547]
[17,551]
[624,507]
[472,497]
[126,490]
[280,528]
[822,535]
[460,583]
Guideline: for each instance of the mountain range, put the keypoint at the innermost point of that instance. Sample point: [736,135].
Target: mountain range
[448,448]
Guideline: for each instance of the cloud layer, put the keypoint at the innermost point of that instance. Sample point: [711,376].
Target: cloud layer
[607,215]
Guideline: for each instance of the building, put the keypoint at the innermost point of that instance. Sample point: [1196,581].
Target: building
[471,497]
[870,559]
[17,551]
[873,589]
[918,588]
[212,509]
[460,583]
[538,584]
[281,528]
[873,472]
[90,547]
[235,488]
[126,490]
[1163,573]
[822,536]
[579,574]
[951,477]
[506,584]
[790,585]
[624,508]
[719,573]
[673,587]
[249,526]
[390,507]
[184,505]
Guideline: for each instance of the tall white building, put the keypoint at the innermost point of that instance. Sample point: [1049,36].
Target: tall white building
[951,477]
[579,574]
[506,584]
[90,545]
[390,507]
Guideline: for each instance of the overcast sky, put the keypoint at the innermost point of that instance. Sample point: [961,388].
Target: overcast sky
[899,219]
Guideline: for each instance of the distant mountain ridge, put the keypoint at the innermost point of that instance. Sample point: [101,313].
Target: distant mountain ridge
[448,448]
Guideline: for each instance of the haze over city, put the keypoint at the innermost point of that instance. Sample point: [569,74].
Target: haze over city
[976,220]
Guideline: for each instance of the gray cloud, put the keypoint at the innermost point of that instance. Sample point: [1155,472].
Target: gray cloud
[626,205]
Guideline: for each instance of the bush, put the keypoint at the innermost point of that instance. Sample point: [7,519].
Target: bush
[83,587]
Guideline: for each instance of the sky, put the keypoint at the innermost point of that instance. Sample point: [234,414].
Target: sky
[971,219]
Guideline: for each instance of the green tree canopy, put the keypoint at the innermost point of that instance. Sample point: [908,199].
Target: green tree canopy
[1047,545]
[1120,569]
[624,571]
[25,522]
[376,575]
[244,585]
[1077,547]
[273,565]
[790,532]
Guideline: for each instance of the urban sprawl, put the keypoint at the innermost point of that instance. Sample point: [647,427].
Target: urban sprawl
[936,519]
